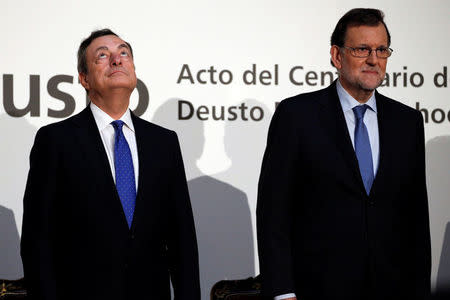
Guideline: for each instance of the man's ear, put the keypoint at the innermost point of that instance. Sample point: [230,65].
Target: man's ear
[83,80]
[336,56]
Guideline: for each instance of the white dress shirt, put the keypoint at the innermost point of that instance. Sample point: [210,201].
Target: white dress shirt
[370,120]
[107,133]
[285,296]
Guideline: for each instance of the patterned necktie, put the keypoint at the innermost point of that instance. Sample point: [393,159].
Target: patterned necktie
[125,181]
[362,147]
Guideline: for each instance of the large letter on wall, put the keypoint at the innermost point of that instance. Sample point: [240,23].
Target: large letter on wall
[8,98]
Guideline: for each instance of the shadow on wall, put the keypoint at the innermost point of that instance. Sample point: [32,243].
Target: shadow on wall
[245,142]
[443,276]
[17,138]
[221,211]
[10,262]
[438,166]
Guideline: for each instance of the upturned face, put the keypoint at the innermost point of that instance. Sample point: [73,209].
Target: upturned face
[110,66]
[359,75]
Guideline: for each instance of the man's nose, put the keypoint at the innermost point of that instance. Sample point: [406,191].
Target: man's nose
[372,59]
[115,60]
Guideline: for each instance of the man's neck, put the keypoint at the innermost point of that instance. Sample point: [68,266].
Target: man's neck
[114,104]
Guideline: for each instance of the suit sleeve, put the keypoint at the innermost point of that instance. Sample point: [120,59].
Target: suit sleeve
[422,228]
[37,243]
[182,242]
[276,190]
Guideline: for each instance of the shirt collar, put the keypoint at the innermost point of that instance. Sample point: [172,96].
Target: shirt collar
[348,102]
[103,119]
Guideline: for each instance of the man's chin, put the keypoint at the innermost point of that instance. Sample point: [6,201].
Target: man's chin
[122,85]
[121,82]
[370,86]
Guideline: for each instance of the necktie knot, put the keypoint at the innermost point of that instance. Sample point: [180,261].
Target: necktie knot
[117,124]
[359,111]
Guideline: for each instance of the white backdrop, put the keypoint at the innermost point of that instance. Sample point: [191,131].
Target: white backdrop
[290,39]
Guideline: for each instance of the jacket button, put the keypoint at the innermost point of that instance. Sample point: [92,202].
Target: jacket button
[132,236]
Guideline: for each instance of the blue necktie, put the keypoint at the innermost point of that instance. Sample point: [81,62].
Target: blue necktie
[125,182]
[362,147]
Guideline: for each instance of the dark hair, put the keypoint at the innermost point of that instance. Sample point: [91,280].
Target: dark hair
[357,17]
[82,64]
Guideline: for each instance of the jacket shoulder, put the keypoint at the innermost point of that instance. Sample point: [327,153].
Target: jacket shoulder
[305,98]
[56,130]
[305,103]
[396,107]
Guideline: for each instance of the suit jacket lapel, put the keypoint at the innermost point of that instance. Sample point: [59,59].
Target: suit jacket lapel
[146,158]
[387,142]
[91,144]
[333,121]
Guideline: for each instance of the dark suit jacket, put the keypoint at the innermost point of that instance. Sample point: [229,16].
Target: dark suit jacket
[76,243]
[319,234]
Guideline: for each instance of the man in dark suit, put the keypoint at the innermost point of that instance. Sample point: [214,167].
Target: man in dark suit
[106,209]
[342,208]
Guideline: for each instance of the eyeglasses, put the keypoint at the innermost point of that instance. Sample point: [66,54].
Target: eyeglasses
[381,52]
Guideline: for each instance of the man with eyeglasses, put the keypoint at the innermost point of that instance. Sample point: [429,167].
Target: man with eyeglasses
[342,203]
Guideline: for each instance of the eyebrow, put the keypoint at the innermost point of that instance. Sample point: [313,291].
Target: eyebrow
[366,45]
[101,48]
[123,46]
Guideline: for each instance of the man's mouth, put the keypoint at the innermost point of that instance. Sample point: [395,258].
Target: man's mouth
[116,71]
[370,72]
